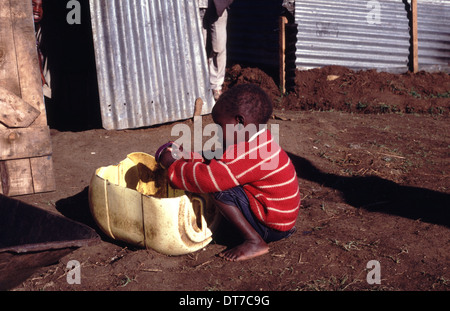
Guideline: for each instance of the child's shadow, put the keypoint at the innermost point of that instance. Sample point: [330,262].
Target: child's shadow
[380,195]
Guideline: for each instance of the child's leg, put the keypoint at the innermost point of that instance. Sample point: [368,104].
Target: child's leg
[253,244]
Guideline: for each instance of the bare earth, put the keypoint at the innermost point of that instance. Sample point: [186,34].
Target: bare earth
[372,155]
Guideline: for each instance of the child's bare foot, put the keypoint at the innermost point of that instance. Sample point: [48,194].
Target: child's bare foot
[247,250]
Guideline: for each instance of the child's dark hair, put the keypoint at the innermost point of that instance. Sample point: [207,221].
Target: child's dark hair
[248,100]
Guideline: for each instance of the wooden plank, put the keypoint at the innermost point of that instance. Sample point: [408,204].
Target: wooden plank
[42,173]
[27,57]
[15,112]
[2,163]
[25,143]
[25,153]
[282,52]
[415,38]
[27,176]
[16,177]
[9,76]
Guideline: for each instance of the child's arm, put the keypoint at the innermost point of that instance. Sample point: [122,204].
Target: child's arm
[201,177]
[188,171]
[170,152]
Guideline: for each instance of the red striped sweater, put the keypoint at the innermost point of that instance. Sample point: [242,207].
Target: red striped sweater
[264,170]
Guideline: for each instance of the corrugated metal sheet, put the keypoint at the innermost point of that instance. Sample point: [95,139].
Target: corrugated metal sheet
[151,63]
[349,33]
[434,35]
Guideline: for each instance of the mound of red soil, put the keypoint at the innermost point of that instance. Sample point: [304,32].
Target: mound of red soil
[342,89]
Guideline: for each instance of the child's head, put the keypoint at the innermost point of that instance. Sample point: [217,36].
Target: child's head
[37,10]
[242,104]
[248,101]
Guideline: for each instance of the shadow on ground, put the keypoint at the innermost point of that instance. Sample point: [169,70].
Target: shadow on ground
[371,193]
[380,195]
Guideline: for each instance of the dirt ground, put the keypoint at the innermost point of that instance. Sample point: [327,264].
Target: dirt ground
[372,155]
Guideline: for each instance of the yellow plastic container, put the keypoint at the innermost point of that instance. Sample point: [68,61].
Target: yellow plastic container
[133,202]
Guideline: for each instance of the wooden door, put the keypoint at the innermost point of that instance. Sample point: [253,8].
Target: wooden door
[26,164]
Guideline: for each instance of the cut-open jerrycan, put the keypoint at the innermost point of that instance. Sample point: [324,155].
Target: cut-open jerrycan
[134,203]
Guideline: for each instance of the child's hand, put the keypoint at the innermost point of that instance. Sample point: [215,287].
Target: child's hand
[167,154]
[166,158]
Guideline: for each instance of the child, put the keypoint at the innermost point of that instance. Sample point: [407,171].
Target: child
[261,203]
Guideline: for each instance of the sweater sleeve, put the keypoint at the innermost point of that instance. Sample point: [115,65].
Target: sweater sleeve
[241,164]
[201,177]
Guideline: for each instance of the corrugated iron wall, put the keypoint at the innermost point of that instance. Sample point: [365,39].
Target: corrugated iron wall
[151,63]
[434,35]
[349,33]
[357,34]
